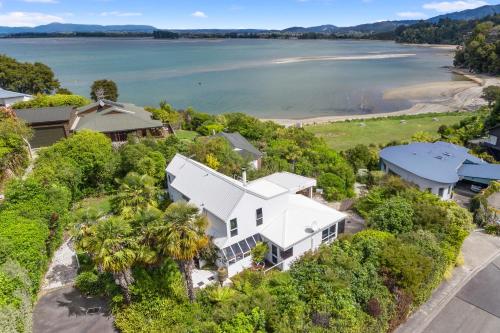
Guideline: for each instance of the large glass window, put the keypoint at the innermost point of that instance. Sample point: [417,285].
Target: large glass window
[233,225]
[329,234]
[259,216]
[240,250]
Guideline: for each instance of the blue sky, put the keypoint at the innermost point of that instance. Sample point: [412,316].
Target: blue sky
[273,14]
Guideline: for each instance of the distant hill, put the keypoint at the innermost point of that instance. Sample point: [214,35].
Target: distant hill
[69,27]
[377,27]
[469,14]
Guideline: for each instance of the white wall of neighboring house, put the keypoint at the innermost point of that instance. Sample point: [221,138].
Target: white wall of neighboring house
[13,100]
[423,183]
[492,140]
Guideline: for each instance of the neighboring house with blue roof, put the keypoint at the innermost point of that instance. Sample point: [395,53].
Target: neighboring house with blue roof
[437,167]
[7,98]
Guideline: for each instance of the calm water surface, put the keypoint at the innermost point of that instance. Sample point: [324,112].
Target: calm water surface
[218,76]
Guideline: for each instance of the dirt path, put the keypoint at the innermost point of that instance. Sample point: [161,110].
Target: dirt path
[63,268]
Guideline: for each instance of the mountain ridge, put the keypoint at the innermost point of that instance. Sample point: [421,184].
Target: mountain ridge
[376,27]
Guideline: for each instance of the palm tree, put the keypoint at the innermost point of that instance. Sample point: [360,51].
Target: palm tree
[114,250]
[136,192]
[181,235]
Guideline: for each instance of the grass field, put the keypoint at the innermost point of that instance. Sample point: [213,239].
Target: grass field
[102,204]
[186,135]
[345,135]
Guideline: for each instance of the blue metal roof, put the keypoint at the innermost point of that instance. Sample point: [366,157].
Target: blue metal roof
[437,161]
[484,171]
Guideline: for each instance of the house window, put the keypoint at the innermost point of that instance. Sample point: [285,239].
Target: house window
[441,191]
[260,216]
[329,234]
[286,254]
[233,225]
[274,254]
[240,250]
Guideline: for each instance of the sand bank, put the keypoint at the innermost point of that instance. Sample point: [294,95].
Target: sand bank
[432,97]
[339,58]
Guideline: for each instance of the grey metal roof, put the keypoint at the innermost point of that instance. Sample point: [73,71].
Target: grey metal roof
[437,161]
[116,117]
[237,141]
[10,94]
[205,187]
[484,171]
[45,115]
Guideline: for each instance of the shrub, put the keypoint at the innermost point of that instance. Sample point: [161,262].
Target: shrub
[395,216]
[43,101]
[89,283]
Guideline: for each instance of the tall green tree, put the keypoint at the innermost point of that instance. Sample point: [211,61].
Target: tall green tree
[136,193]
[114,250]
[104,89]
[181,235]
[27,78]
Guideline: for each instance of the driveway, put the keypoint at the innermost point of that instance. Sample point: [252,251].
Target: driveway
[66,310]
[475,308]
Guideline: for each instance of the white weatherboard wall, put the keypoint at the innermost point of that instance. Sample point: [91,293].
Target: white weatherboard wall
[423,183]
[13,100]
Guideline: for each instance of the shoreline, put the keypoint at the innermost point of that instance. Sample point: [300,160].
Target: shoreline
[448,97]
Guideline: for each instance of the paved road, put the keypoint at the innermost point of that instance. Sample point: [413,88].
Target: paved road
[475,308]
[66,310]
[479,250]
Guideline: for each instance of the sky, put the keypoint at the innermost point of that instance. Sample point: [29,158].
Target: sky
[196,14]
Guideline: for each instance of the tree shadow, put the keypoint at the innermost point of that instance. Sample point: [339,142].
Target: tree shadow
[79,305]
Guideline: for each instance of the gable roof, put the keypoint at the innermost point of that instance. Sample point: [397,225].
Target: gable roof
[11,94]
[437,161]
[113,117]
[239,143]
[219,193]
[45,115]
[301,214]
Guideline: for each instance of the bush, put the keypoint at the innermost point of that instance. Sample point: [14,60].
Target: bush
[394,215]
[89,283]
[44,101]
[493,229]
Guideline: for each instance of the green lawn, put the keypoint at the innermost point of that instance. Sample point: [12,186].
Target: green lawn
[100,203]
[186,135]
[345,135]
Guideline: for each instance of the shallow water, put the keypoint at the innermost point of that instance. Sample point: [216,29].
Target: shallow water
[266,78]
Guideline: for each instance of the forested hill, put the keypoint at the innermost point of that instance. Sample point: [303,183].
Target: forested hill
[481,50]
[446,31]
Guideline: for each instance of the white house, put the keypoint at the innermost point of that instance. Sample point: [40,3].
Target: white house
[7,98]
[242,213]
[437,167]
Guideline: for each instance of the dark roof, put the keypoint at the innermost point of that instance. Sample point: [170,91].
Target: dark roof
[45,115]
[115,117]
[239,143]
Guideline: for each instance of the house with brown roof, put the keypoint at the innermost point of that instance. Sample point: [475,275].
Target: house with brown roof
[116,120]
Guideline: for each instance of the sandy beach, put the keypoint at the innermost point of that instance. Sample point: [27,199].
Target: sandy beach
[431,97]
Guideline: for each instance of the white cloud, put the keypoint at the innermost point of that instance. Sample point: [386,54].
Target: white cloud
[453,6]
[41,1]
[199,14]
[121,14]
[411,15]
[27,19]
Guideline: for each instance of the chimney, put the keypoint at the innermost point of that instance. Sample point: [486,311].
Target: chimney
[244,177]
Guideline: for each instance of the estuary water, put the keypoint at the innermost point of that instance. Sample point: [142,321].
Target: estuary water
[265,78]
